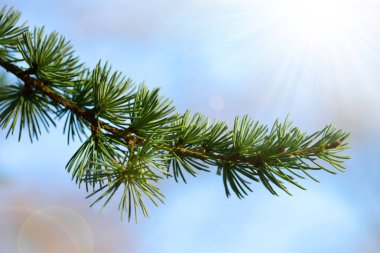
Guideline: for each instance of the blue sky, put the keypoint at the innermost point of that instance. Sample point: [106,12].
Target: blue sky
[317,61]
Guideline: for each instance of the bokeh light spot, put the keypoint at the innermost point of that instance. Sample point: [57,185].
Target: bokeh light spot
[55,229]
[216,103]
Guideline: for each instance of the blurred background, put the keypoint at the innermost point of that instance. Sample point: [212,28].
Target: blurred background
[318,61]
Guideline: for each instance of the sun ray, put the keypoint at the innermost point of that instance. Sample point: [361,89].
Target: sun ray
[314,53]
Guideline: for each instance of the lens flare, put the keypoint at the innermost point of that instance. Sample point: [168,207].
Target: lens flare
[55,229]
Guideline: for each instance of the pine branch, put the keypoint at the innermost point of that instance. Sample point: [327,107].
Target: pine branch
[135,137]
[88,115]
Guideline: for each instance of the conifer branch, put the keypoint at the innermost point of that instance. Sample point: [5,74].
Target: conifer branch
[87,115]
[133,136]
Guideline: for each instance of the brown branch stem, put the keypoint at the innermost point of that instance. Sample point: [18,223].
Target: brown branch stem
[132,139]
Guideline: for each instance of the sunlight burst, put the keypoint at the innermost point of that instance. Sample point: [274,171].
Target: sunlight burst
[320,21]
[321,54]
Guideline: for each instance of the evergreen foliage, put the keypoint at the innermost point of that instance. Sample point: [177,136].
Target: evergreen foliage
[133,138]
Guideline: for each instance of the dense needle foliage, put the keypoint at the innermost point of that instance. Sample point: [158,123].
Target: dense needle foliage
[133,138]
